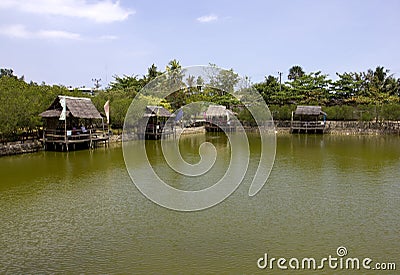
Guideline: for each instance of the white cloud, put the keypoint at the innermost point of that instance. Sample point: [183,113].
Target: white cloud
[20,31]
[108,37]
[56,34]
[207,18]
[104,11]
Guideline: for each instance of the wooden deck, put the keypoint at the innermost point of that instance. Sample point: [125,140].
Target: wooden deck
[58,140]
[317,127]
[157,134]
[219,128]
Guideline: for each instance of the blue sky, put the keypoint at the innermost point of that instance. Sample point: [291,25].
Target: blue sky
[70,42]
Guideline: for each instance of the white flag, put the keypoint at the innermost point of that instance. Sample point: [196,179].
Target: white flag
[107,110]
[64,108]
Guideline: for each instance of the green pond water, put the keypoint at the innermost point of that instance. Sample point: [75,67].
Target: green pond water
[79,212]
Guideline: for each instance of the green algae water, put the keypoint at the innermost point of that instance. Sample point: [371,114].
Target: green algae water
[79,212]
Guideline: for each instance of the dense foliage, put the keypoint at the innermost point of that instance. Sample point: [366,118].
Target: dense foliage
[370,95]
[21,103]
[374,94]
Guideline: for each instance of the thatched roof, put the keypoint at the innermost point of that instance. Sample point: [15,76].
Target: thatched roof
[78,107]
[52,113]
[309,111]
[156,111]
[218,111]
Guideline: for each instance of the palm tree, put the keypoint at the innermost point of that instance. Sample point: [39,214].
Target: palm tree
[190,80]
[295,72]
[173,65]
[152,72]
[175,84]
[379,85]
[175,73]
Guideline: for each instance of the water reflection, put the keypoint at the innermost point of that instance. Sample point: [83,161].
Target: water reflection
[80,213]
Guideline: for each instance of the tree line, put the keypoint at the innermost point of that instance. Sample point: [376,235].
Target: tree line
[22,102]
[370,95]
[374,94]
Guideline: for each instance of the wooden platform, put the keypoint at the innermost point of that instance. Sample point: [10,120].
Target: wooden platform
[57,140]
[149,135]
[307,127]
[219,128]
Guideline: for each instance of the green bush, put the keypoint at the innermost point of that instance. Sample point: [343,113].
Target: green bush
[390,111]
[340,112]
[366,112]
[246,118]
[282,112]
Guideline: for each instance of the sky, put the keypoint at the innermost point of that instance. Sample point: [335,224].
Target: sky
[71,42]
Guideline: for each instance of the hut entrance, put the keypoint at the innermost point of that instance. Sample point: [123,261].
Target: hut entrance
[153,123]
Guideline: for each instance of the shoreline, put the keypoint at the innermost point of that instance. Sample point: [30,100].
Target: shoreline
[353,128]
[17,148]
[335,128]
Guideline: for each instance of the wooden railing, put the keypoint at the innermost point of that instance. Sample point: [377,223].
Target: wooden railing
[56,135]
[308,125]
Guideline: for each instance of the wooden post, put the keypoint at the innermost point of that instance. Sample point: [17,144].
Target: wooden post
[291,124]
[104,132]
[44,140]
[65,130]
[108,133]
[90,139]
[156,135]
[102,122]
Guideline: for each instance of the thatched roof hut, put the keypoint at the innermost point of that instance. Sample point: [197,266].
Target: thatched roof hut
[218,111]
[218,118]
[308,119]
[154,120]
[152,111]
[72,123]
[77,107]
[309,111]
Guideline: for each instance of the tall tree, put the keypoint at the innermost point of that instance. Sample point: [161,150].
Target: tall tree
[175,83]
[96,82]
[129,84]
[152,72]
[268,89]
[7,72]
[346,88]
[312,88]
[174,72]
[380,87]
[173,65]
[295,72]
